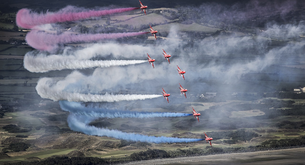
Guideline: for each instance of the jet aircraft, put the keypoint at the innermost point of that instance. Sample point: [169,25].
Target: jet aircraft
[195,114]
[182,90]
[153,32]
[142,7]
[208,139]
[150,60]
[165,95]
[181,72]
[166,56]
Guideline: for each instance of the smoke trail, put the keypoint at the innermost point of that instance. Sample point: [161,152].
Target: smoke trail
[45,90]
[25,18]
[44,63]
[46,41]
[79,123]
[78,109]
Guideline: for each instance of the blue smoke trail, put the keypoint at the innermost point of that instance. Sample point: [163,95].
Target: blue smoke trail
[78,109]
[80,124]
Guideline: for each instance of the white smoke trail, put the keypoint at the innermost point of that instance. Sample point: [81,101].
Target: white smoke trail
[78,109]
[80,124]
[45,90]
[117,50]
[42,63]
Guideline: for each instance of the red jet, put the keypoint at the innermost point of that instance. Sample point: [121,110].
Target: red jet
[166,56]
[182,90]
[165,95]
[181,72]
[153,32]
[195,114]
[150,60]
[208,139]
[142,7]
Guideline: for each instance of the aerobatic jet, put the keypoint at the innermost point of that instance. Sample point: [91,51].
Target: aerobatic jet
[195,114]
[166,56]
[182,90]
[208,139]
[165,95]
[142,7]
[181,72]
[153,32]
[150,60]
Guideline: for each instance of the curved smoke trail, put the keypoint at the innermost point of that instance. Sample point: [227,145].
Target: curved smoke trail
[80,124]
[42,63]
[25,18]
[44,89]
[78,109]
[46,41]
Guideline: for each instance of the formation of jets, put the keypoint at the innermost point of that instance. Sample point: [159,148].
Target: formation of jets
[180,72]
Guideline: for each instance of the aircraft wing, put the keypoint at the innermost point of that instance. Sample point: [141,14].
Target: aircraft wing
[197,118]
[163,90]
[210,143]
[181,86]
[140,3]
[194,110]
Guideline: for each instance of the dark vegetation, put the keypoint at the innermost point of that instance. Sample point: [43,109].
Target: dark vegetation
[16,147]
[64,161]
[283,143]
[11,128]
[149,154]
[3,155]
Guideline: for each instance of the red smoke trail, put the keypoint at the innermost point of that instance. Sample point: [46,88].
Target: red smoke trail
[26,19]
[46,41]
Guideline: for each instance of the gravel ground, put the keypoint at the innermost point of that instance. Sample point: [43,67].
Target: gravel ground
[278,157]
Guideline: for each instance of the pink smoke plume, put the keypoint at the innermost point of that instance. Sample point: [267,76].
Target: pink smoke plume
[48,42]
[25,18]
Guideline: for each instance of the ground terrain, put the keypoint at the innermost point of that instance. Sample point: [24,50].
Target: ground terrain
[271,119]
